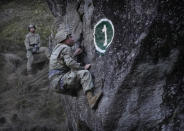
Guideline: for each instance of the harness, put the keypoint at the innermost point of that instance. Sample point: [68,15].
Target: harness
[35,48]
[61,82]
[55,72]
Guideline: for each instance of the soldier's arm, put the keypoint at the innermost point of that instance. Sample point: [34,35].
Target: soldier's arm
[26,42]
[68,59]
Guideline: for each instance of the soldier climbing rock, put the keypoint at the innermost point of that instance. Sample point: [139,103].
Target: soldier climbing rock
[33,46]
[65,74]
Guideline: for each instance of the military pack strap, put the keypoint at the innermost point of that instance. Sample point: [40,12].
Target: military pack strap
[54,72]
[56,51]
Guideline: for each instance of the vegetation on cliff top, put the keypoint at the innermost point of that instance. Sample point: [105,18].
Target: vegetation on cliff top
[16,15]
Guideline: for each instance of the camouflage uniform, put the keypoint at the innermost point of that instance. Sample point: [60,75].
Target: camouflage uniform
[65,73]
[32,41]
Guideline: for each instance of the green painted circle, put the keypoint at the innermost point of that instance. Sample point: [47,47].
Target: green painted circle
[103,35]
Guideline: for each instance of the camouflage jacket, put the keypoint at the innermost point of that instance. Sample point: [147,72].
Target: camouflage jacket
[31,40]
[62,59]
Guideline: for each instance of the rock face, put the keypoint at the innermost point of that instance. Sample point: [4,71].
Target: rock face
[141,73]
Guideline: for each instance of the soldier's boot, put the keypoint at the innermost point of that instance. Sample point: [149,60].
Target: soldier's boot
[93,99]
[29,73]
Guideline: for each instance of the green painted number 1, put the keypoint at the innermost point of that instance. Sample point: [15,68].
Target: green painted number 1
[105,32]
[103,35]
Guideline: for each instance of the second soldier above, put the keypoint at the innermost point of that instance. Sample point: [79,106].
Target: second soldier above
[33,46]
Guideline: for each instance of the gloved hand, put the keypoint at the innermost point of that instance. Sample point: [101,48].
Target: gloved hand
[29,49]
[78,51]
[87,66]
[35,49]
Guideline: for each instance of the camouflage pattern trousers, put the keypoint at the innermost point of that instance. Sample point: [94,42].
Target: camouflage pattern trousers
[72,80]
[30,57]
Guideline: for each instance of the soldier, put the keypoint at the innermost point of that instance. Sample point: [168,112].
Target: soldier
[66,74]
[32,43]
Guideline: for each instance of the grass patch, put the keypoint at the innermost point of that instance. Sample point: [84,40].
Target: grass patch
[17,15]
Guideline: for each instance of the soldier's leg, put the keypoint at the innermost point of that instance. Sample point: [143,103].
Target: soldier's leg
[85,78]
[45,50]
[29,61]
[70,80]
[56,85]
[86,81]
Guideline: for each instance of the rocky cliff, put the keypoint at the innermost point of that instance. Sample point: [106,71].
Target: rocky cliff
[141,72]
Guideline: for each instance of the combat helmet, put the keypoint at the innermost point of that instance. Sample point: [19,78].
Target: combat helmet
[62,34]
[31,26]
